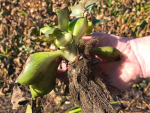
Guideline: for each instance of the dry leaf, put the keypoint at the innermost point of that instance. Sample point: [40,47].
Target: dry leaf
[17,98]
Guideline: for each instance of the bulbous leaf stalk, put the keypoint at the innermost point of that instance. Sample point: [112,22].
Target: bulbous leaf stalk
[63,19]
[71,52]
[47,82]
[90,28]
[63,40]
[107,52]
[78,27]
[44,29]
[36,67]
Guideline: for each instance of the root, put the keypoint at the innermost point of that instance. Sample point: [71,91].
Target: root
[86,87]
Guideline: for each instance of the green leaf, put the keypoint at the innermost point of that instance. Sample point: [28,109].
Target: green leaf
[82,3]
[29,109]
[78,27]
[23,13]
[47,82]
[146,8]
[72,108]
[27,49]
[33,31]
[96,22]
[45,39]
[77,10]
[2,13]
[91,3]
[75,111]
[63,40]
[2,54]
[5,55]
[115,102]
[108,2]
[90,28]
[36,67]
[88,2]
[63,19]
[50,35]
[137,85]
[61,102]
[45,29]
[52,32]
[107,52]
[137,34]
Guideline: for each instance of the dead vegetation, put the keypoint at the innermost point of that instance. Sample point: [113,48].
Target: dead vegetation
[129,18]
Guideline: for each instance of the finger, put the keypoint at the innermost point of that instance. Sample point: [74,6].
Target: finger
[61,74]
[123,73]
[64,65]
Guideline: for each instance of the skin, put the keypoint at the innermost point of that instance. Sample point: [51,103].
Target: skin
[134,66]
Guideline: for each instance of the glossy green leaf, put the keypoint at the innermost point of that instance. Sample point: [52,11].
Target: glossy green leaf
[61,102]
[29,109]
[90,28]
[137,85]
[91,3]
[36,66]
[107,52]
[146,7]
[23,13]
[72,108]
[5,55]
[27,49]
[47,82]
[2,54]
[78,27]
[77,10]
[45,29]
[82,3]
[115,102]
[45,39]
[96,22]
[63,18]
[33,32]
[50,35]
[2,13]
[63,40]
[51,31]
[77,110]
[108,2]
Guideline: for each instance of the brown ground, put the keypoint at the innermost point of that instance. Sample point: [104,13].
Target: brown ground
[128,18]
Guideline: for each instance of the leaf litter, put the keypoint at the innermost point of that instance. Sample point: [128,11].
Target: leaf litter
[16,19]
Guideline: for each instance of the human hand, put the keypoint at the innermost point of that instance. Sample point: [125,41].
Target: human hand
[124,73]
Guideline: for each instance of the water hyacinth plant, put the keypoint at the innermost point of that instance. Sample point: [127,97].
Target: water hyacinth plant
[40,69]
[65,36]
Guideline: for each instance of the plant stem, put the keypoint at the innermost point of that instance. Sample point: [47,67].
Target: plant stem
[75,110]
[70,52]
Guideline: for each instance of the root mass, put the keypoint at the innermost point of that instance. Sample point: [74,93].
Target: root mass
[86,87]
